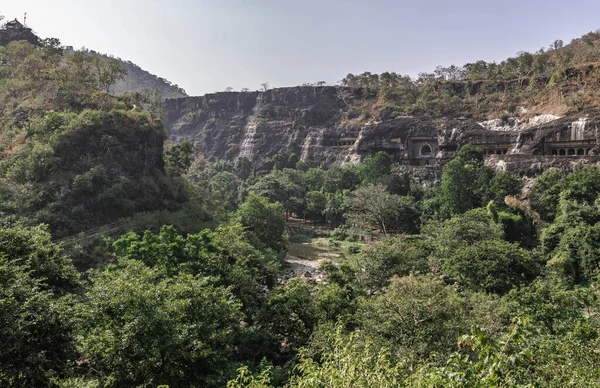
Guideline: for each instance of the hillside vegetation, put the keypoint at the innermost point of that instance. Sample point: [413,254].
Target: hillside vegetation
[140,80]
[452,283]
[72,156]
[558,79]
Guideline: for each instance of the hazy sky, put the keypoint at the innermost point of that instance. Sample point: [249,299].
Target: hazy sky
[207,45]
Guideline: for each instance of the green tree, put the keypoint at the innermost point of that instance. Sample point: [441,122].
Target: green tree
[342,178]
[313,179]
[465,180]
[517,358]
[337,207]
[243,168]
[224,187]
[584,184]
[553,308]
[416,316]
[284,159]
[139,329]
[264,221]
[179,157]
[316,202]
[460,231]
[375,167]
[491,266]
[35,327]
[290,314]
[545,193]
[503,184]
[373,206]
[284,187]
[223,254]
[31,248]
[349,360]
[380,261]
[109,72]
[571,243]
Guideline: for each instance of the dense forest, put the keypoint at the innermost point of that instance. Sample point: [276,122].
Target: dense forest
[129,262]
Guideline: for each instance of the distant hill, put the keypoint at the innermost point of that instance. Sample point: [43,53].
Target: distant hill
[138,80]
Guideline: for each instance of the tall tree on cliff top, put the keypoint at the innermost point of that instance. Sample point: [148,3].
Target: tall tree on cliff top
[109,72]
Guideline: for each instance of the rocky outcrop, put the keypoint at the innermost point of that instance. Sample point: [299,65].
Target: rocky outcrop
[316,123]
[257,124]
[310,121]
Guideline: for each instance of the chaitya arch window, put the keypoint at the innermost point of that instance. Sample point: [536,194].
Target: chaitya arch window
[426,150]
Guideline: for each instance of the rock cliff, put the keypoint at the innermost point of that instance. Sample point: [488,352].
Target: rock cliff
[317,124]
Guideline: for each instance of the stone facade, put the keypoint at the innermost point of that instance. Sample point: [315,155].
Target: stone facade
[313,122]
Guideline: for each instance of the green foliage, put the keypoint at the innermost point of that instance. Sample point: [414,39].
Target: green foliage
[139,329]
[337,207]
[461,231]
[35,327]
[491,266]
[84,159]
[375,167]
[313,179]
[178,158]
[546,193]
[290,314]
[284,159]
[91,169]
[224,255]
[416,316]
[224,186]
[503,184]
[571,242]
[553,308]
[518,358]
[316,202]
[32,249]
[465,180]
[379,262]
[338,179]
[243,168]
[183,305]
[373,206]
[109,72]
[263,220]
[283,187]
[348,361]
[245,379]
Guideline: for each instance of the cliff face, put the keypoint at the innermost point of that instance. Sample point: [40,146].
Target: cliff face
[257,125]
[310,121]
[315,123]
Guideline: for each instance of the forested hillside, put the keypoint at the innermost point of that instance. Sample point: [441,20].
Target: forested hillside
[211,274]
[72,156]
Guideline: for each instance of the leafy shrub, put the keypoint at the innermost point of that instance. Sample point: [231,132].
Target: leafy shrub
[354,248]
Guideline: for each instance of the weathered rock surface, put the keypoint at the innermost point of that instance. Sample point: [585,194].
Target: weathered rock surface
[316,123]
